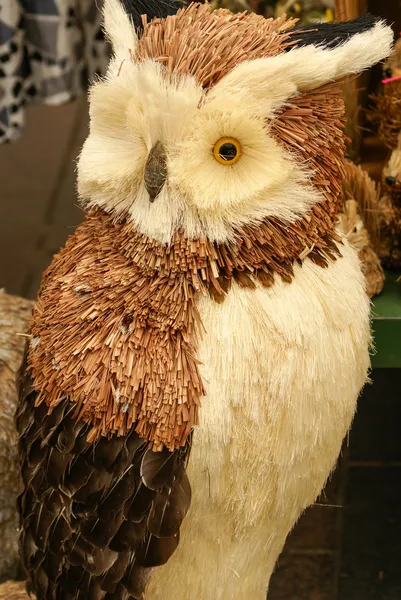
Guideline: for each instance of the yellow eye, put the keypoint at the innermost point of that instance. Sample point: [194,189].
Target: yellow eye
[227,151]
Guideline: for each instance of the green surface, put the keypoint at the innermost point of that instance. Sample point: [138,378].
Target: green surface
[387,324]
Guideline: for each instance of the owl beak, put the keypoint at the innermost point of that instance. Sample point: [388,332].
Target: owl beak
[155,171]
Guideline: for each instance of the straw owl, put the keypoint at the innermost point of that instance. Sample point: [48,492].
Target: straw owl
[198,346]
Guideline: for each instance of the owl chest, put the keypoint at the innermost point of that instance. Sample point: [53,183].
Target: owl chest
[283,368]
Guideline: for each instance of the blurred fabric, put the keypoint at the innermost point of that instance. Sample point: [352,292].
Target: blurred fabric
[49,51]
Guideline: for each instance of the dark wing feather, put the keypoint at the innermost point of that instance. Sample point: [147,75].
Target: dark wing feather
[330,35]
[169,509]
[95,517]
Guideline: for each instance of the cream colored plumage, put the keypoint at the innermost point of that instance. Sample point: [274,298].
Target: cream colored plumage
[284,350]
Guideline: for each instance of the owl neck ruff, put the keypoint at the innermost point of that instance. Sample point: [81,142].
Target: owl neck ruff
[115,328]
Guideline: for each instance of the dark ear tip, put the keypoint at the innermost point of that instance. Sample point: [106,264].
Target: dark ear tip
[333,34]
[151,8]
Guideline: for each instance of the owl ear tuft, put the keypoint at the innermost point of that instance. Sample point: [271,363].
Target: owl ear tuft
[340,49]
[150,8]
[118,27]
[316,59]
[331,35]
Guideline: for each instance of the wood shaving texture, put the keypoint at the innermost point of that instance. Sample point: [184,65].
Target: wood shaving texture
[13,590]
[387,113]
[359,221]
[14,319]
[180,44]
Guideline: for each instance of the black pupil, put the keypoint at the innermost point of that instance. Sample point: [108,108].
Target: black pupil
[388,72]
[228,151]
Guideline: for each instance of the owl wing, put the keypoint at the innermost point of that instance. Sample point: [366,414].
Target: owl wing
[95,517]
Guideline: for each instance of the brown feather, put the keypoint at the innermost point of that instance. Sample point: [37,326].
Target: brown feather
[129,534]
[169,509]
[157,468]
[155,551]
[135,580]
[85,511]
[115,574]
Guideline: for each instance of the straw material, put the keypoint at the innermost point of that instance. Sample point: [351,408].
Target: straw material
[179,42]
[352,225]
[357,235]
[388,212]
[373,271]
[389,216]
[387,113]
[358,186]
[353,131]
[118,336]
[14,319]
[359,221]
[13,590]
[312,127]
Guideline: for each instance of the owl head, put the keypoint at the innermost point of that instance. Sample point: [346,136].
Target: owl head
[207,121]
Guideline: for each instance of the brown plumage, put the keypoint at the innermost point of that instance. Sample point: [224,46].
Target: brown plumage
[387,113]
[97,516]
[358,220]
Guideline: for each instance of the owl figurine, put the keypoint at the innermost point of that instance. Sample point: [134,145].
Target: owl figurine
[198,346]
